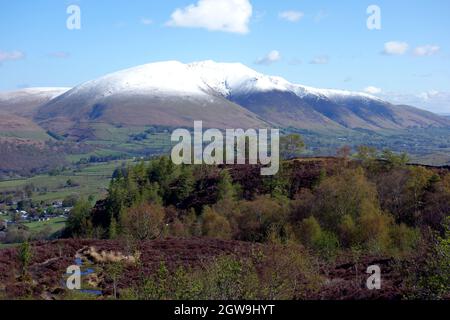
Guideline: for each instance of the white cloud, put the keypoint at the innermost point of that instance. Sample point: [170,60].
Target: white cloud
[395,48]
[11,55]
[215,15]
[431,100]
[372,90]
[292,16]
[428,95]
[320,60]
[146,21]
[427,50]
[271,57]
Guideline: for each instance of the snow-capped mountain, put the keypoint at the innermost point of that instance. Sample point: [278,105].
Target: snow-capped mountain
[222,95]
[198,78]
[24,102]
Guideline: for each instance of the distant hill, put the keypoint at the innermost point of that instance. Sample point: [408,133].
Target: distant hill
[14,126]
[223,95]
[24,102]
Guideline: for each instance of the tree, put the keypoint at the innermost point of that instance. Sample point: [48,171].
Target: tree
[215,225]
[114,271]
[28,189]
[225,188]
[419,180]
[291,145]
[256,219]
[24,255]
[392,194]
[113,229]
[366,154]
[343,194]
[309,231]
[344,152]
[184,185]
[374,227]
[434,277]
[348,231]
[368,157]
[394,160]
[70,200]
[437,204]
[79,221]
[144,221]
[69,183]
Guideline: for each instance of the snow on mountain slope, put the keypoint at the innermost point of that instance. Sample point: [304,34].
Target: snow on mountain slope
[24,102]
[236,78]
[164,93]
[174,93]
[45,92]
[171,77]
[198,78]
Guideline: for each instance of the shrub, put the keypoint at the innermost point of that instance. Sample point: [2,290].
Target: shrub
[309,231]
[348,231]
[79,222]
[374,228]
[144,221]
[287,273]
[282,273]
[24,255]
[434,279]
[403,239]
[258,217]
[327,245]
[215,225]
[346,193]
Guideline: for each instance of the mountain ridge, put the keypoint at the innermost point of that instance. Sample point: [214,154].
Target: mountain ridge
[174,94]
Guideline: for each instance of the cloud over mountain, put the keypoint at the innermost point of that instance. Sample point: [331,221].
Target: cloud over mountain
[395,48]
[291,16]
[271,57]
[215,15]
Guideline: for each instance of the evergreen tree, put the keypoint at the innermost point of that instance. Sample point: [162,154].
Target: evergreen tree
[225,187]
[113,229]
[79,222]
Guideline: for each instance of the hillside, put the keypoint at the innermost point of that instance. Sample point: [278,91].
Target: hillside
[17,126]
[228,233]
[167,94]
[48,267]
[132,112]
[222,95]
[24,102]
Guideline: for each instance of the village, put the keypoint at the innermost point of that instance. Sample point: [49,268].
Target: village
[17,222]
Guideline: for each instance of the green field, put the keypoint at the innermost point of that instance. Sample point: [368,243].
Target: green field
[90,180]
[53,225]
[31,135]
[50,227]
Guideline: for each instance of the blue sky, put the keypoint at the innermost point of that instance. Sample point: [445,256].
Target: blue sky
[322,43]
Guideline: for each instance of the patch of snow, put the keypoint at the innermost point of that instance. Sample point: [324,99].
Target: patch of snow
[195,79]
[45,92]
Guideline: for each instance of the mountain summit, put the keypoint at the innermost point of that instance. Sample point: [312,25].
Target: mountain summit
[223,95]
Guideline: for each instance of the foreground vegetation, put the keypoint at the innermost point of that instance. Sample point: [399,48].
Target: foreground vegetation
[376,205]
[226,232]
